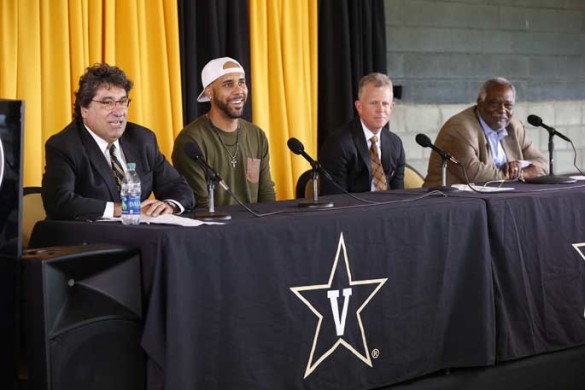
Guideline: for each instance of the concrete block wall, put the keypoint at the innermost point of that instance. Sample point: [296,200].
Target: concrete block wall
[441,51]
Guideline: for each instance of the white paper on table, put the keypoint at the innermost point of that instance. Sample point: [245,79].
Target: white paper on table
[168,219]
[465,187]
[578,177]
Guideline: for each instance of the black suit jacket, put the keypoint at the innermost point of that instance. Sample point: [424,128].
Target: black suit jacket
[78,180]
[345,155]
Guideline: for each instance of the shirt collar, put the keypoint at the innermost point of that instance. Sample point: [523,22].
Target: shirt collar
[491,133]
[102,143]
[369,134]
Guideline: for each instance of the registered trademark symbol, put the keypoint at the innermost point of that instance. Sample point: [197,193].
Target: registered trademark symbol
[375,353]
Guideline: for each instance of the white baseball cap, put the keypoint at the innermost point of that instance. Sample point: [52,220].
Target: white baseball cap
[214,70]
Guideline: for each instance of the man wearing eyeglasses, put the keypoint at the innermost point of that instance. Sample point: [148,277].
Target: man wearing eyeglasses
[85,160]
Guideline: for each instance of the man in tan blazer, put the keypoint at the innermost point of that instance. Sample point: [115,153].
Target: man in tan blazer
[487,140]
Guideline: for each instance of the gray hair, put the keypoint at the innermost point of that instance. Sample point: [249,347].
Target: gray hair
[492,83]
[376,79]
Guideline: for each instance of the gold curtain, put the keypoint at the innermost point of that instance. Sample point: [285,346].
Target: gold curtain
[283,45]
[46,45]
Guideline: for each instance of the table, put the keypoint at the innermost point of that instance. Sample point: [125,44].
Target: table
[403,289]
[537,241]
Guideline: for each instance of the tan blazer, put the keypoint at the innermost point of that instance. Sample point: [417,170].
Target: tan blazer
[462,136]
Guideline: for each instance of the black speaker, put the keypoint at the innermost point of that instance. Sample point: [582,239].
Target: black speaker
[11,130]
[82,315]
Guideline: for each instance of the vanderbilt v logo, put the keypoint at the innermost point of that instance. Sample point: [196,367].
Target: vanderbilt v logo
[333,295]
[349,330]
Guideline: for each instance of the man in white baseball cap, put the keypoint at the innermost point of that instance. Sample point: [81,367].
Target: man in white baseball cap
[214,70]
[236,148]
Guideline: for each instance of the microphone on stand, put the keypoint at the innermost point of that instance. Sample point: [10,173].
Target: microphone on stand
[297,147]
[424,141]
[551,178]
[192,150]
[536,121]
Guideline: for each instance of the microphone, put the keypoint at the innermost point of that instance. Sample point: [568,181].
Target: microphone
[551,178]
[192,150]
[425,142]
[536,121]
[297,147]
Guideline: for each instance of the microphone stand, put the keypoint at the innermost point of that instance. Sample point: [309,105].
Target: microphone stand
[211,215]
[315,203]
[444,187]
[551,178]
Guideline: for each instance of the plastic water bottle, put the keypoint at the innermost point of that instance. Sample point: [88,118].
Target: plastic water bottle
[131,196]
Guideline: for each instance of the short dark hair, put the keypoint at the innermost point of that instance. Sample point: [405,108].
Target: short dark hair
[96,76]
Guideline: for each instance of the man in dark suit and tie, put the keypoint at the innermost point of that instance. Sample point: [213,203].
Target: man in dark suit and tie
[85,161]
[363,155]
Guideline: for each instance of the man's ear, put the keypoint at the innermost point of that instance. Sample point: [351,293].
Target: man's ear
[358,106]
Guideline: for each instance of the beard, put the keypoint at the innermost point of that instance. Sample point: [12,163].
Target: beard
[228,110]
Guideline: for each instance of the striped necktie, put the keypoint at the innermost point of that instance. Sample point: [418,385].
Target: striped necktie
[117,169]
[378,176]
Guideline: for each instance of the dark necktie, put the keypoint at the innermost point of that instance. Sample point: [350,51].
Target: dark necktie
[378,177]
[117,169]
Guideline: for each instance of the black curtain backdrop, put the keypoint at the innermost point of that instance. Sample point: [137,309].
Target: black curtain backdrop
[211,29]
[352,43]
